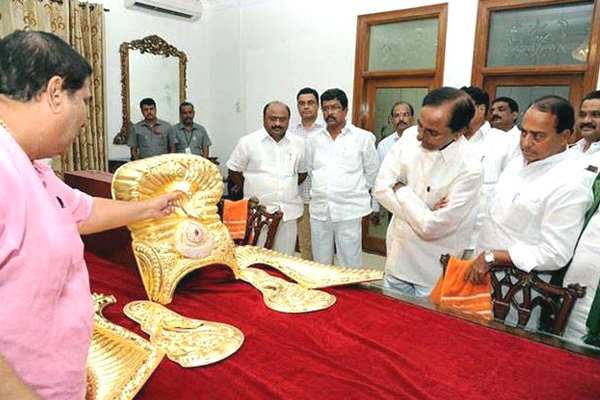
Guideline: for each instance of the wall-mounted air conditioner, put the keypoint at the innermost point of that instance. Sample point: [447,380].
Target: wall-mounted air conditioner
[188,9]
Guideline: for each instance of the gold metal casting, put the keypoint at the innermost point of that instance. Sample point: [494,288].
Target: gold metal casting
[188,342]
[119,361]
[193,236]
[286,297]
[190,238]
[308,274]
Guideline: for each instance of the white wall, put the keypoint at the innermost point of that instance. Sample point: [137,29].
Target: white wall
[125,25]
[280,46]
[241,57]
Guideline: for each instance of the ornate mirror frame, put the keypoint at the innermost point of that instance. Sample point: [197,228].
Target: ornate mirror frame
[152,44]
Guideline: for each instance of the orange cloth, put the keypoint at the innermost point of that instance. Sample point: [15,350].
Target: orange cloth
[235,217]
[452,291]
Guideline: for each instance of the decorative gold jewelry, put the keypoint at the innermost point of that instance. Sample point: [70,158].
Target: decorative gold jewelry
[308,274]
[193,236]
[287,297]
[188,342]
[119,361]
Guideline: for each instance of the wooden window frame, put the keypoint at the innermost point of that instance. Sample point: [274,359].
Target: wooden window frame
[367,82]
[361,72]
[489,77]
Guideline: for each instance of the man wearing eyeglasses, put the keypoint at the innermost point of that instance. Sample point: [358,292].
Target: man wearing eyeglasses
[343,163]
[431,186]
[401,117]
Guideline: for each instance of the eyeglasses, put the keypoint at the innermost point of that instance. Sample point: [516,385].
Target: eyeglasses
[331,108]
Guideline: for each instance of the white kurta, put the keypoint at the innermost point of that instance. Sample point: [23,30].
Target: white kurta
[536,212]
[385,145]
[271,171]
[589,157]
[495,149]
[420,235]
[585,270]
[342,171]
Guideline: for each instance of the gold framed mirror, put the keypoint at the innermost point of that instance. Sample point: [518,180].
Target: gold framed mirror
[150,67]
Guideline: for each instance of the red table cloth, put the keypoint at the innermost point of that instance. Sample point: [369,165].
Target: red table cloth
[367,346]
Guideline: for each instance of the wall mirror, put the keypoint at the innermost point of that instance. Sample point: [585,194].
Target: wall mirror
[150,67]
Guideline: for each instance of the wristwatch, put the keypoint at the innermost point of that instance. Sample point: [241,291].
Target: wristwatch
[488,257]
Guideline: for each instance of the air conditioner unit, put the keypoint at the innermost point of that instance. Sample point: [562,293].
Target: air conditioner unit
[187,9]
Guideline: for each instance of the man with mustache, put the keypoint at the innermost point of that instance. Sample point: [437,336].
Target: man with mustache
[308,107]
[343,163]
[588,148]
[494,148]
[46,314]
[431,186]
[536,211]
[584,323]
[149,137]
[269,164]
[401,117]
[504,114]
[187,136]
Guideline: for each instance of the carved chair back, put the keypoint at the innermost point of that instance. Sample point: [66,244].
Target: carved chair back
[524,291]
[258,219]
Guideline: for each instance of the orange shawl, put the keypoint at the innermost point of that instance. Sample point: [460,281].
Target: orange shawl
[235,216]
[452,291]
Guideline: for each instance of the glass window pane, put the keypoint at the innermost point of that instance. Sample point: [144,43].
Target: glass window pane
[540,36]
[525,95]
[403,45]
[385,99]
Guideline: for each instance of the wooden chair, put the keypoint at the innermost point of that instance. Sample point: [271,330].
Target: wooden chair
[257,220]
[509,281]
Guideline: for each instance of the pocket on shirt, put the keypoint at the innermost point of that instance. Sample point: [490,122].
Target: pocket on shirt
[522,213]
[350,159]
[143,140]
[291,163]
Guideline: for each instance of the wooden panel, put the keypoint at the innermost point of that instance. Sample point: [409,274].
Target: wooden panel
[361,73]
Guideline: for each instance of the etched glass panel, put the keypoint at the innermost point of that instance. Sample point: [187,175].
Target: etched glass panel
[403,45]
[525,95]
[552,35]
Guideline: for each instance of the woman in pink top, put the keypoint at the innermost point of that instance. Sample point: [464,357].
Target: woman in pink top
[46,312]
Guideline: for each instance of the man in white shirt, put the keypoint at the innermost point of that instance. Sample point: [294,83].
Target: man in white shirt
[588,148]
[585,266]
[504,114]
[493,147]
[431,186]
[308,107]
[585,270]
[401,117]
[270,165]
[536,210]
[343,163]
